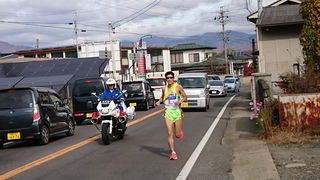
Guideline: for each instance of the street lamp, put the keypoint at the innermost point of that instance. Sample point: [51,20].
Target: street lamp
[140,42]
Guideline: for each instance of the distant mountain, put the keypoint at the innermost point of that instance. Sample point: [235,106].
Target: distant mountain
[236,41]
[7,48]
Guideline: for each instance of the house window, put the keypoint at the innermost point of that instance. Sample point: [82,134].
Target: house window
[71,54]
[57,55]
[194,57]
[176,58]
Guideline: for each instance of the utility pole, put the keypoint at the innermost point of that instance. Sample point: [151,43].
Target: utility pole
[37,48]
[222,19]
[76,32]
[259,7]
[112,50]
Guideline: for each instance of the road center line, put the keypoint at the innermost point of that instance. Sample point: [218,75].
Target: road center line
[49,157]
[194,156]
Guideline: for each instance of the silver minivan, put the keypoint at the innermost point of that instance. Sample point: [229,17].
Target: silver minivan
[196,86]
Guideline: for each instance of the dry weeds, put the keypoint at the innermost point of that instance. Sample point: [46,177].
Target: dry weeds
[292,137]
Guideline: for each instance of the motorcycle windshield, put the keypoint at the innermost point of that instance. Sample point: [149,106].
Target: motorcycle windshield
[105,103]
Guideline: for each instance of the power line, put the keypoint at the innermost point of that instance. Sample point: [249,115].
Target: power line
[137,14]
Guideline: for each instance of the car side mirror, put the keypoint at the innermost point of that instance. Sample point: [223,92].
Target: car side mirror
[65,101]
[208,86]
[124,91]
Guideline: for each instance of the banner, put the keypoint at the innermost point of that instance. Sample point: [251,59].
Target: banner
[142,64]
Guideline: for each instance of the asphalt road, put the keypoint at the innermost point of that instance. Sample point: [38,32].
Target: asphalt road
[143,153]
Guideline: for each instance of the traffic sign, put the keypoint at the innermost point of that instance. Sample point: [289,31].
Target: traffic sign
[134,56]
[105,54]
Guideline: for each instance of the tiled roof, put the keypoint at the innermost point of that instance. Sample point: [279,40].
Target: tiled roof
[253,17]
[280,15]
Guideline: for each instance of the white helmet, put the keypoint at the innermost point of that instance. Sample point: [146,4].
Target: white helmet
[111,82]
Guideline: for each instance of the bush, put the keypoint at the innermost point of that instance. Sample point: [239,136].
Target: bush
[292,83]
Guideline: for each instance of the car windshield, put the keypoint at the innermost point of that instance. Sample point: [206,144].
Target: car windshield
[15,99]
[157,82]
[134,86]
[192,82]
[229,80]
[216,83]
[85,89]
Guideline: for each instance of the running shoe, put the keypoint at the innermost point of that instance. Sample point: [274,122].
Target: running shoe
[173,156]
[181,135]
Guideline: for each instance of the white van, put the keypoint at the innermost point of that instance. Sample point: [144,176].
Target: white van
[157,83]
[196,86]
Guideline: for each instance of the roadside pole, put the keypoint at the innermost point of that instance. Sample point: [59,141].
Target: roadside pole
[112,51]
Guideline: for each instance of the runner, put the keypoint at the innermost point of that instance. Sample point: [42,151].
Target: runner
[171,97]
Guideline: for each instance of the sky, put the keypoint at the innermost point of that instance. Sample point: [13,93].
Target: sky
[51,23]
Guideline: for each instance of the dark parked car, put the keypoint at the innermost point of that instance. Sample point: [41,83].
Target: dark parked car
[33,113]
[139,94]
[213,77]
[83,102]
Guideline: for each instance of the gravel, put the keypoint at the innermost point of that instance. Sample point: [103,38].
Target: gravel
[297,162]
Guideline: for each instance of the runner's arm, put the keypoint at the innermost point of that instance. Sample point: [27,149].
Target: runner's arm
[161,98]
[184,95]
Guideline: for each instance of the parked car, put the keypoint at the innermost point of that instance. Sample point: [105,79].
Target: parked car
[83,102]
[139,94]
[233,84]
[157,83]
[218,88]
[33,113]
[213,77]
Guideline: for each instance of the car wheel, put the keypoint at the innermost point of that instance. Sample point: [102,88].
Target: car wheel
[147,105]
[79,122]
[154,104]
[44,135]
[204,109]
[71,128]
[1,145]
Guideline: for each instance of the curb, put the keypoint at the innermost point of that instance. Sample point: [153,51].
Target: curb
[252,158]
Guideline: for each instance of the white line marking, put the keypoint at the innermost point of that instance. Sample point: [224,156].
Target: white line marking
[194,156]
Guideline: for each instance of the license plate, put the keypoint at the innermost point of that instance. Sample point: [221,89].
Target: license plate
[89,115]
[184,105]
[133,104]
[213,92]
[12,136]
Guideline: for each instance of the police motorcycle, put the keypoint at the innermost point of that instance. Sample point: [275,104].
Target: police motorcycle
[113,121]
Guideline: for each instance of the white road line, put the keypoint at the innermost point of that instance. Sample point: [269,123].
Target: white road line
[193,158]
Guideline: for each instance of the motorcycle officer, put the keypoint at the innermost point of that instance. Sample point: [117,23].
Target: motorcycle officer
[113,93]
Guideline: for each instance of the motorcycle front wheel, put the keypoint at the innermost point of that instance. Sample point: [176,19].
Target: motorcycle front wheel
[104,134]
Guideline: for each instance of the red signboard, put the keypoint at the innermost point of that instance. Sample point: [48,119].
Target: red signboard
[142,64]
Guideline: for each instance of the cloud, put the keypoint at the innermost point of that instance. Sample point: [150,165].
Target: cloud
[24,21]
